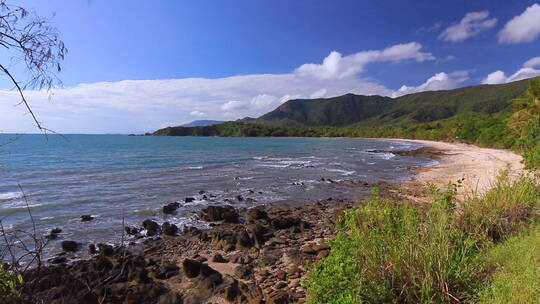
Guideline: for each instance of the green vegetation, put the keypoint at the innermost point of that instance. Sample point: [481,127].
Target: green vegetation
[393,252]
[8,286]
[484,115]
[518,262]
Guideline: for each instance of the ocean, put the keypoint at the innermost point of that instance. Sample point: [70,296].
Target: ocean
[126,179]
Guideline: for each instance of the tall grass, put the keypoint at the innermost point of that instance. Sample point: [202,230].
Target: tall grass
[393,252]
[517,279]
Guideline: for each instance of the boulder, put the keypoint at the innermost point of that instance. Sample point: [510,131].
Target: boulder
[171,208]
[191,268]
[257,213]
[219,213]
[243,272]
[189,199]
[132,230]
[71,246]
[169,229]
[86,218]
[218,258]
[152,228]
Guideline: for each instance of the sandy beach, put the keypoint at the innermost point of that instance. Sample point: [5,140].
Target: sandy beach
[478,166]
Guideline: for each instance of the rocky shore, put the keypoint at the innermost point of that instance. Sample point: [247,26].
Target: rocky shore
[257,255]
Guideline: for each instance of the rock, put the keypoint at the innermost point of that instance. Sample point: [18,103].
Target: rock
[167,270]
[58,260]
[105,250]
[277,297]
[191,268]
[219,213]
[281,274]
[201,192]
[92,249]
[243,272]
[170,298]
[131,230]
[244,240]
[239,258]
[308,249]
[269,258]
[218,258]
[257,213]
[171,208]
[189,199]
[152,228]
[71,246]
[240,198]
[169,229]
[280,285]
[86,218]
[56,231]
[279,223]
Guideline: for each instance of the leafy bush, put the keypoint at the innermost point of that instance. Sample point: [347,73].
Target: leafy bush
[8,286]
[392,252]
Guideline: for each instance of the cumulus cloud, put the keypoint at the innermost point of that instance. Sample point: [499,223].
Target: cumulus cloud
[439,81]
[144,105]
[496,77]
[533,62]
[470,25]
[527,71]
[522,28]
[336,66]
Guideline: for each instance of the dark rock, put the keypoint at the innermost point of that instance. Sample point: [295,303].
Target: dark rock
[167,270]
[171,208]
[284,222]
[277,297]
[218,258]
[169,229]
[132,230]
[86,218]
[269,258]
[219,213]
[105,250]
[70,246]
[138,274]
[239,258]
[189,199]
[56,231]
[92,249]
[152,228]
[170,298]
[58,260]
[201,192]
[244,240]
[243,272]
[240,198]
[191,268]
[257,213]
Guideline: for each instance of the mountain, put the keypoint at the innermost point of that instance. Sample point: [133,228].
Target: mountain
[202,123]
[421,107]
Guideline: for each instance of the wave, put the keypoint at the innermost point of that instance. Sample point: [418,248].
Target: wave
[10,195]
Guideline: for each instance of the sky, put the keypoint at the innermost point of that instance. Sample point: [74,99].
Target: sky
[136,66]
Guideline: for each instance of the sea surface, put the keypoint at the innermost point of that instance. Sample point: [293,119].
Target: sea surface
[128,179]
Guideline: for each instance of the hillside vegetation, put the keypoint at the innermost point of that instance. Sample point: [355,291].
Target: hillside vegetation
[500,116]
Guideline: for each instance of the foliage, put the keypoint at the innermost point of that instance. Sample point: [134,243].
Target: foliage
[8,286]
[517,261]
[394,252]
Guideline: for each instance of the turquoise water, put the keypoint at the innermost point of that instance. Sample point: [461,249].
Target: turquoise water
[113,177]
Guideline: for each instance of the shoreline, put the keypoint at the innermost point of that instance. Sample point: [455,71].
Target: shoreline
[258,256]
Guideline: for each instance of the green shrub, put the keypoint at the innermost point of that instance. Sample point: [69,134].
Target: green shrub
[9,282]
[391,252]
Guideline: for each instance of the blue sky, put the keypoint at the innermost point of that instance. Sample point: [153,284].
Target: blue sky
[139,65]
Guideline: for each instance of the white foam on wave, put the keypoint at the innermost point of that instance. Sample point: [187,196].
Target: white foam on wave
[194,168]
[343,172]
[10,195]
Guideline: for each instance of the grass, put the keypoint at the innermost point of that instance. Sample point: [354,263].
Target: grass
[517,279]
[393,252]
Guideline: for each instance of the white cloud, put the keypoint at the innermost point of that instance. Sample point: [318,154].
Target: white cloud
[131,106]
[471,25]
[496,77]
[197,113]
[440,81]
[318,94]
[522,28]
[435,27]
[335,66]
[533,62]
[527,71]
